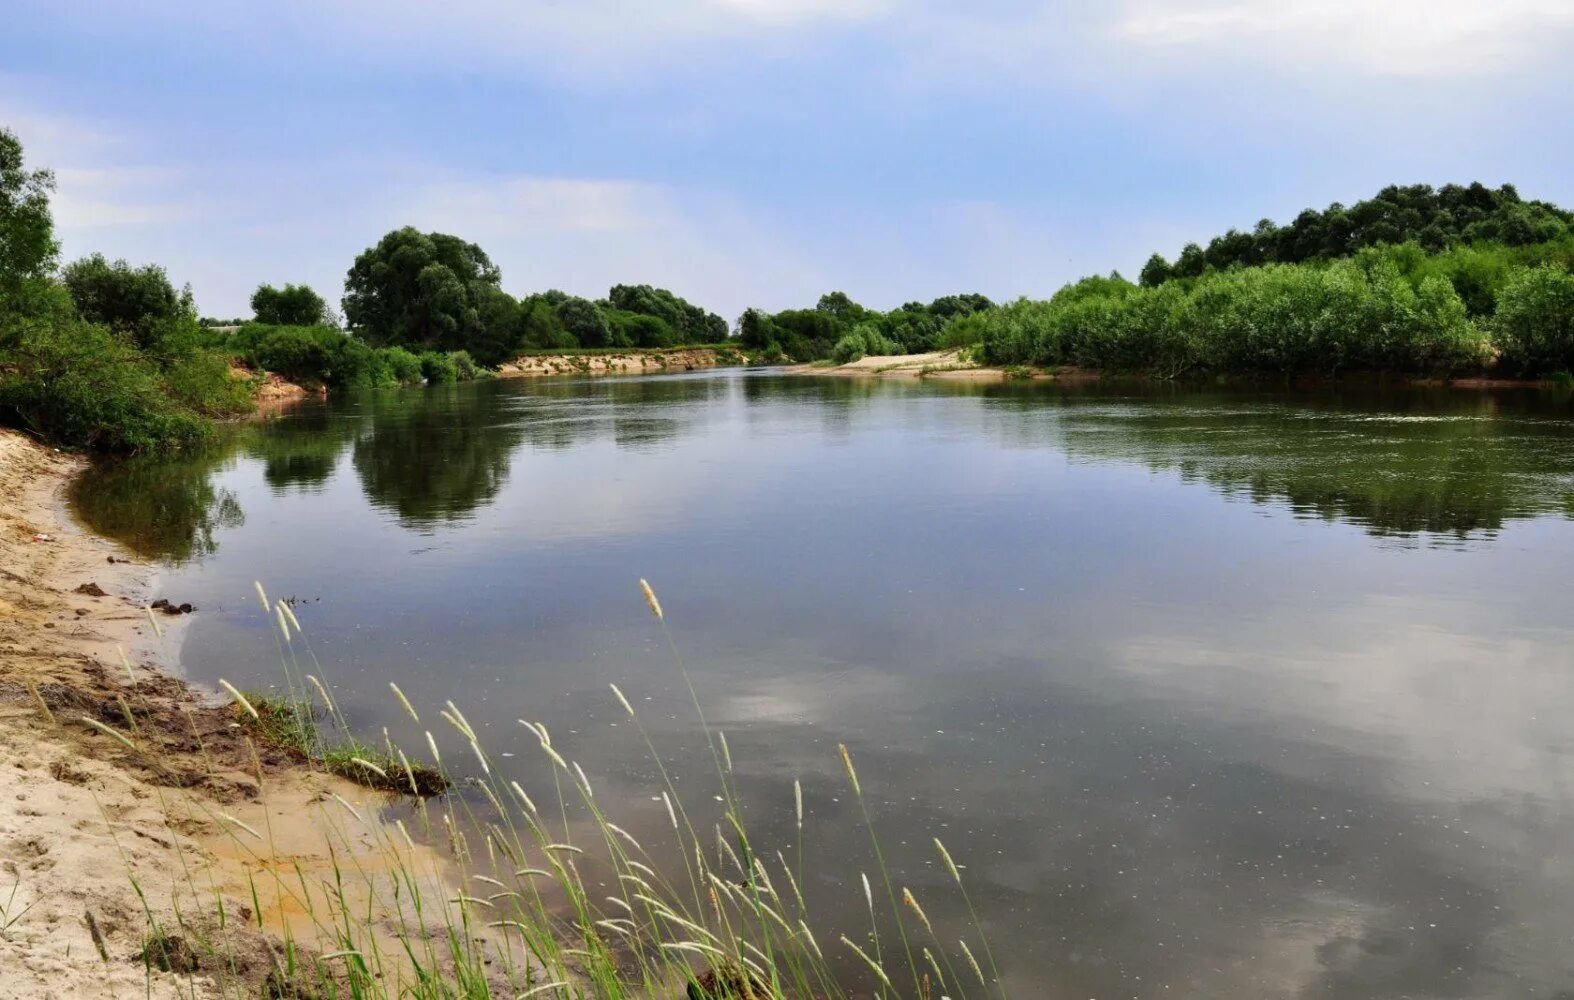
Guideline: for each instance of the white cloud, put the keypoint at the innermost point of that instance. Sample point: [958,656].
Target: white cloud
[92,197]
[583,235]
[1391,37]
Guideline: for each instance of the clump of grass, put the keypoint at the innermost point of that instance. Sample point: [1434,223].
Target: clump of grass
[556,900]
[169,953]
[294,724]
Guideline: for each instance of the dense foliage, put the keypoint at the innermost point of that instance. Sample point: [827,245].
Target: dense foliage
[139,302]
[27,233]
[1435,219]
[105,356]
[292,305]
[1362,314]
[322,355]
[841,329]
[426,291]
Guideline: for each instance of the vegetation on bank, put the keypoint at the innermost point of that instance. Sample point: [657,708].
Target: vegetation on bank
[103,355]
[99,354]
[540,892]
[837,327]
[1393,309]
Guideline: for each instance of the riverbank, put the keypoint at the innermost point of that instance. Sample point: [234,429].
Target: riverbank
[135,797]
[618,362]
[951,365]
[935,364]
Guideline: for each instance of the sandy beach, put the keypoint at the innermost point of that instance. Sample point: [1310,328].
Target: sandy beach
[114,771]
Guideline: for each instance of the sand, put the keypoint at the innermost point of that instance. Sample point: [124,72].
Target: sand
[933,365]
[81,815]
[632,362]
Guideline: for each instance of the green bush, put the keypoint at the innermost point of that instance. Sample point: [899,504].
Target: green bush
[82,385]
[1534,324]
[865,339]
[466,367]
[403,367]
[1351,315]
[438,369]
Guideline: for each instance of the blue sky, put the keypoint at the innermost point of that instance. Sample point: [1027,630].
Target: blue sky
[760,152]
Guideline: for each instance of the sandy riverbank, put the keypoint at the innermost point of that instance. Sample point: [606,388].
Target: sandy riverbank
[620,363]
[935,364]
[949,365]
[82,815]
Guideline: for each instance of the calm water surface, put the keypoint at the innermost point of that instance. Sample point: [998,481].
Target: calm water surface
[1219,694]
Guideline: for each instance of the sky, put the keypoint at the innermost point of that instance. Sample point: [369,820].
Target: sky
[759,152]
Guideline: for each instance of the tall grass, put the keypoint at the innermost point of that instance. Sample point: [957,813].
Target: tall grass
[545,895]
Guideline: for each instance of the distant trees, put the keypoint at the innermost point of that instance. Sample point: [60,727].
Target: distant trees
[1364,314]
[1435,219]
[137,301]
[292,305]
[838,327]
[433,291]
[27,233]
[678,321]
[104,355]
[422,290]
[1534,323]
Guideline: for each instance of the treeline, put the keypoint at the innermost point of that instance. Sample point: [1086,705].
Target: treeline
[430,307]
[841,329]
[104,355]
[433,291]
[97,354]
[1415,281]
[1435,219]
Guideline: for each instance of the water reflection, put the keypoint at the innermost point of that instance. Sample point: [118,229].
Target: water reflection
[160,508]
[1184,746]
[1401,463]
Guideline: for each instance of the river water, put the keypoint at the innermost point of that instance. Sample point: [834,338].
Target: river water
[1217,693]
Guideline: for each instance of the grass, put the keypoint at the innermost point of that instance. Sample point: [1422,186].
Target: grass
[543,896]
[294,724]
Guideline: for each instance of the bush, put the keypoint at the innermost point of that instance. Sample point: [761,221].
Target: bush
[83,385]
[403,367]
[438,369]
[1360,315]
[465,365]
[863,340]
[1534,324]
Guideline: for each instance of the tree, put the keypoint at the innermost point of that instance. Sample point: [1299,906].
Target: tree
[27,235]
[292,305]
[1155,272]
[137,301]
[421,290]
[689,323]
[583,320]
[840,305]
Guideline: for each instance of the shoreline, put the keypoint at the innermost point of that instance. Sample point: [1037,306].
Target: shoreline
[89,814]
[634,361]
[949,366]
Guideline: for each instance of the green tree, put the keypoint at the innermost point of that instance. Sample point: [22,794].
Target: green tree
[1155,272]
[27,232]
[583,320]
[421,290]
[1535,321]
[292,305]
[541,328]
[139,302]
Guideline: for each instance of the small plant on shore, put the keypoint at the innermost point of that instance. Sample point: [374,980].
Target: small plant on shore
[525,908]
[10,914]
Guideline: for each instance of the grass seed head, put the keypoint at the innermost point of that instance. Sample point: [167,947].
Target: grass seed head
[650,599]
